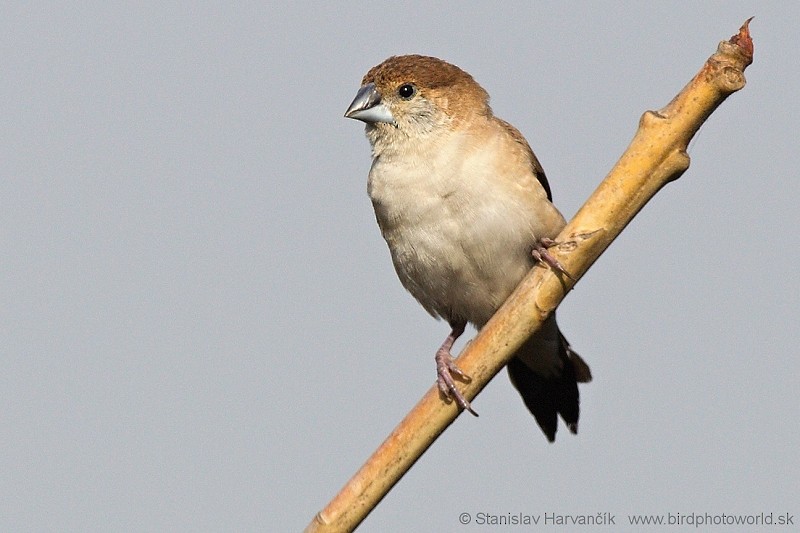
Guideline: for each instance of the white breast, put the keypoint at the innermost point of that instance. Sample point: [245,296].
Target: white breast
[460,240]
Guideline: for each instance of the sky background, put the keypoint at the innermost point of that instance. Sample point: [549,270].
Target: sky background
[200,325]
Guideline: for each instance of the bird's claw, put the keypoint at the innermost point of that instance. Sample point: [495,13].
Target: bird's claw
[540,253]
[445,369]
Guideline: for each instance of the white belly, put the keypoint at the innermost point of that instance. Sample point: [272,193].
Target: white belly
[459,253]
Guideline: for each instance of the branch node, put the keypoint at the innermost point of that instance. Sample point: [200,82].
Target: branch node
[584,235]
[731,80]
[650,119]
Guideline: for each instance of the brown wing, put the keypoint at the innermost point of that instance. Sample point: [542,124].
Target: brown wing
[536,167]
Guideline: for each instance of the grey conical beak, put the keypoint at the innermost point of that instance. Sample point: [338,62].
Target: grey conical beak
[368,106]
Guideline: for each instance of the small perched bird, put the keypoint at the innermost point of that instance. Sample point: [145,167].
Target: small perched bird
[466,210]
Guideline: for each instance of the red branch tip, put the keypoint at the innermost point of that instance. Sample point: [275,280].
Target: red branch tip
[744,41]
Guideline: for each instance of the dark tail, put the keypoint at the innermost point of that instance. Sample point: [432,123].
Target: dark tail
[546,373]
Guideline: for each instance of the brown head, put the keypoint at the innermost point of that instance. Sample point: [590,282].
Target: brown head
[416,95]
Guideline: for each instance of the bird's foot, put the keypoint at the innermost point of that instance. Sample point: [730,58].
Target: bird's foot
[445,369]
[540,253]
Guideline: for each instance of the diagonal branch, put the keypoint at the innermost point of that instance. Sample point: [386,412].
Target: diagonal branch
[656,156]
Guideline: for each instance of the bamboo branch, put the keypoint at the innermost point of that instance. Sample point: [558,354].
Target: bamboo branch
[656,156]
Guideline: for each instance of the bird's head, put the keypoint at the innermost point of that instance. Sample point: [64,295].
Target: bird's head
[414,96]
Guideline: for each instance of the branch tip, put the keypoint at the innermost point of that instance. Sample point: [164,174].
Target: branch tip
[744,41]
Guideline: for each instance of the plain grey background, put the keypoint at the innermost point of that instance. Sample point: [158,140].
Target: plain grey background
[200,326]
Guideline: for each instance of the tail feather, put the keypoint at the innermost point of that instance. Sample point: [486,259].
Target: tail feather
[548,395]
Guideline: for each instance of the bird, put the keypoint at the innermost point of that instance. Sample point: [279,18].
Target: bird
[466,210]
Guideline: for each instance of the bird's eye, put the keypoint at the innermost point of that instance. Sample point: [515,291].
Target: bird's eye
[406,91]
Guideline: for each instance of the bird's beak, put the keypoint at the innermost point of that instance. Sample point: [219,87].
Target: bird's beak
[368,107]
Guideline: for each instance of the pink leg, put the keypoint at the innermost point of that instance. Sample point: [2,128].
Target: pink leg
[540,253]
[445,368]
